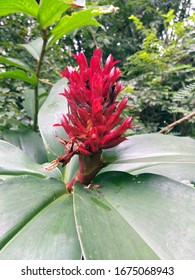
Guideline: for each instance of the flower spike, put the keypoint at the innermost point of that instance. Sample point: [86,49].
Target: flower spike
[94,120]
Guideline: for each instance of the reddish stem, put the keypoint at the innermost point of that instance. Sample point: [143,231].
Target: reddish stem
[89,166]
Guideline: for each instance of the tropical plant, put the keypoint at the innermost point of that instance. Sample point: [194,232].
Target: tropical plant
[113,197]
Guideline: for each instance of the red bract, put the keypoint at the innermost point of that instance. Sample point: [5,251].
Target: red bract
[94,120]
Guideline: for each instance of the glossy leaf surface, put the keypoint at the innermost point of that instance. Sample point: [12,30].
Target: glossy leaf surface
[16,162]
[37,220]
[50,114]
[70,23]
[50,11]
[20,75]
[154,153]
[29,7]
[15,62]
[29,142]
[129,217]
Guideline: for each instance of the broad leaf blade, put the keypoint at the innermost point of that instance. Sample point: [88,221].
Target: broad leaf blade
[76,20]
[118,240]
[69,23]
[153,153]
[34,47]
[37,220]
[29,7]
[183,173]
[50,114]
[29,142]
[15,62]
[20,75]
[159,210]
[15,162]
[51,11]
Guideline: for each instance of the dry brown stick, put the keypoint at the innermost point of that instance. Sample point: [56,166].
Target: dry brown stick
[170,126]
[46,81]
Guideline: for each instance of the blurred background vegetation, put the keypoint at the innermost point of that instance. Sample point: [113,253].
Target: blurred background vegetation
[155,41]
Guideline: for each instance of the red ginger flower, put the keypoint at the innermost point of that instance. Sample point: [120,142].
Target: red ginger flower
[93,114]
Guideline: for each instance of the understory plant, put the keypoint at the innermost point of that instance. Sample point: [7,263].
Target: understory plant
[77,188]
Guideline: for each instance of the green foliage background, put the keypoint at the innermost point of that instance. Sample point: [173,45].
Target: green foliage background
[160,88]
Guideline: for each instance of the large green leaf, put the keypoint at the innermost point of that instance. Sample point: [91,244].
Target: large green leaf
[184,173]
[20,75]
[154,153]
[103,231]
[34,47]
[70,23]
[29,142]
[51,11]
[49,114]
[15,62]
[29,7]
[36,220]
[13,161]
[135,217]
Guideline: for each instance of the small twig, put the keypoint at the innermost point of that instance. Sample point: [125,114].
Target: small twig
[36,89]
[93,37]
[171,126]
[44,37]
[46,81]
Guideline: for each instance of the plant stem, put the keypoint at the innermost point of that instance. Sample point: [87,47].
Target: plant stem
[89,166]
[36,89]
[171,126]
[93,37]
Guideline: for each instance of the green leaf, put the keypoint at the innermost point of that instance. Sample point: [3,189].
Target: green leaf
[71,169]
[29,101]
[15,162]
[135,217]
[29,142]
[34,47]
[37,220]
[183,173]
[118,240]
[50,114]
[20,75]
[15,62]
[154,153]
[51,11]
[75,20]
[29,7]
